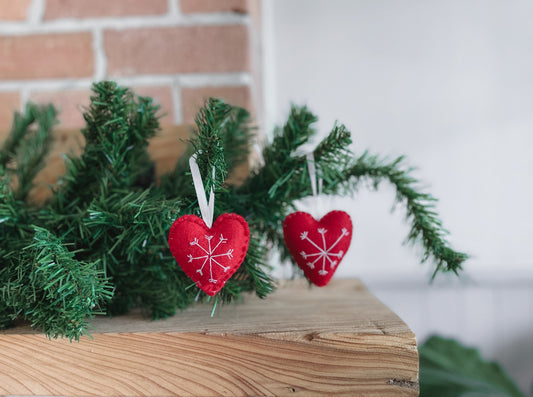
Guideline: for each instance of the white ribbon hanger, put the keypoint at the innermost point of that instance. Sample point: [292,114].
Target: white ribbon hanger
[317,190]
[207,208]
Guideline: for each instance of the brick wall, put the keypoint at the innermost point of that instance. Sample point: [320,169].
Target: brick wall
[177,51]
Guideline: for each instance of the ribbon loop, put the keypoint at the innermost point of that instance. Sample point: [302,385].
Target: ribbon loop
[311,167]
[207,208]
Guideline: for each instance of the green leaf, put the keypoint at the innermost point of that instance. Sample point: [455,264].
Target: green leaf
[449,369]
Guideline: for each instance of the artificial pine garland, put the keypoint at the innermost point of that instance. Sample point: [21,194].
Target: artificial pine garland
[100,243]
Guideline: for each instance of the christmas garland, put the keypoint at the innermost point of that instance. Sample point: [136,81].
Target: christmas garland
[100,244]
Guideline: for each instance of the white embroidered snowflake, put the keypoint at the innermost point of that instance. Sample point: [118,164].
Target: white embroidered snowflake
[324,253]
[211,256]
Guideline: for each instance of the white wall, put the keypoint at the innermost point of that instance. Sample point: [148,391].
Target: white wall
[449,84]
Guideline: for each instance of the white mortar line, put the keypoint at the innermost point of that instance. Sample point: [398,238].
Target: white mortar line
[44,85]
[36,11]
[24,97]
[177,103]
[114,23]
[178,80]
[100,60]
[143,80]
[214,79]
[174,8]
[192,80]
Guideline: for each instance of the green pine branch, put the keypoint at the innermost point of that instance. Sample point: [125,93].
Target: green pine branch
[129,232]
[268,194]
[33,149]
[27,145]
[51,289]
[119,126]
[13,214]
[208,142]
[341,171]
[223,136]
[426,226]
[111,221]
[19,129]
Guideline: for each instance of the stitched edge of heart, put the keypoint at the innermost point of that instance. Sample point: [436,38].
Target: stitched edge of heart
[289,219]
[199,221]
[291,215]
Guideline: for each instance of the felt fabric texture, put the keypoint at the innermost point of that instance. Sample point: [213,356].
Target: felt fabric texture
[209,256]
[318,246]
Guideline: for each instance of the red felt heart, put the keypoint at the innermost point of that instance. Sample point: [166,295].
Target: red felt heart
[318,246]
[209,256]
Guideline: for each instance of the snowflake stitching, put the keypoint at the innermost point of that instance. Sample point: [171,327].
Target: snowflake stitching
[210,256]
[324,252]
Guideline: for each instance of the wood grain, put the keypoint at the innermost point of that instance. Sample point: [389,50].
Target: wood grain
[335,340]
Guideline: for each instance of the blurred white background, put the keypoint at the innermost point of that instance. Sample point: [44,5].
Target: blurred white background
[450,85]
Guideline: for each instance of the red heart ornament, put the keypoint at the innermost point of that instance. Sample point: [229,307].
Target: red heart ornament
[318,246]
[209,256]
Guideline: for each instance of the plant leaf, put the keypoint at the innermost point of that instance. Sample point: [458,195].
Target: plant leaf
[449,369]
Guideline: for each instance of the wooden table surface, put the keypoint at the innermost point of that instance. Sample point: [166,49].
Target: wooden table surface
[335,340]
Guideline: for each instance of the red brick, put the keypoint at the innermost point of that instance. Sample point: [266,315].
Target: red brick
[70,105]
[163,97]
[9,102]
[194,49]
[103,8]
[14,10]
[46,56]
[194,6]
[192,99]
